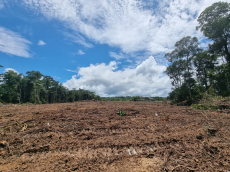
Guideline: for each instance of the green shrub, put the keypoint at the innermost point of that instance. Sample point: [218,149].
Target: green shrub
[203,106]
[121,113]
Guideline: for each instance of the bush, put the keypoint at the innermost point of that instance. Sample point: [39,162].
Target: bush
[208,101]
[203,106]
[121,113]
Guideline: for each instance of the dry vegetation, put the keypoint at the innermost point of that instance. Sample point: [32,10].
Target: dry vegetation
[91,136]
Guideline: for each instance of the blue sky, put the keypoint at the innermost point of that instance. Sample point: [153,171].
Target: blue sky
[111,47]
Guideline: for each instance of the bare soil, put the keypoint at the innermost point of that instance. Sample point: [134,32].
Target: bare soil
[91,136]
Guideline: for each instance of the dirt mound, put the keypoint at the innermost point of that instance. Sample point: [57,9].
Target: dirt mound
[90,136]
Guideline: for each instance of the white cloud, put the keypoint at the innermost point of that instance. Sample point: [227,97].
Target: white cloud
[126,24]
[80,52]
[1,5]
[146,79]
[117,56]
[13,43]
[74,71]
[41,43]
[78,39]
[8,69]
[56,77]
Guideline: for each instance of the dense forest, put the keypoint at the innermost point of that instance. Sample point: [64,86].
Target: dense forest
[37,88]
[134,98]
[197,71]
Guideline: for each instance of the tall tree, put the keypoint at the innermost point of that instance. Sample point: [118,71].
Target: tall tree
[175,72]
[220,79]
[185,49]
[205,64]
[51,87]
[35,85]
[215,24]
[62,93]
[11,87]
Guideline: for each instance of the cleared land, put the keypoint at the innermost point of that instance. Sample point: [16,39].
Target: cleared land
[90,136]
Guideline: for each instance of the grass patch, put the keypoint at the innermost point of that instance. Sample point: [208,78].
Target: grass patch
[204,106]
[121,113]
[209,102]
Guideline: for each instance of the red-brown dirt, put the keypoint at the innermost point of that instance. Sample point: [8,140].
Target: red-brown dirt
[91,136]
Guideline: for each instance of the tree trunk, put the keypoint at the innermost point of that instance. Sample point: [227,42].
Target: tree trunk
[189,79]
[206,82]
[227,53]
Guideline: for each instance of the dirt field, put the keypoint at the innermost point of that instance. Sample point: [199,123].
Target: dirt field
[91,136]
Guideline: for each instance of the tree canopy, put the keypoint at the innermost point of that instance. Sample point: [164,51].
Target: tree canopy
[214,22]
[181,56]
[194,71]
[37,88]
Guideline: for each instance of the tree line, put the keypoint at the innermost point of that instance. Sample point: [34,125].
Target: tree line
[195,71]
[37,88]
[133,98]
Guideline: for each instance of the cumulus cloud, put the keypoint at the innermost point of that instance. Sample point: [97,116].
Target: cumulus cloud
[128,24]
[146,79]
[8,69]
[41,43]
[13,43]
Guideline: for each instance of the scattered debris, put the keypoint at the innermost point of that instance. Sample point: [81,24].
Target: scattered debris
[165,119]
[3,143]
[94,137]
[1,105]
[129,151]
[24,127]
[9,128]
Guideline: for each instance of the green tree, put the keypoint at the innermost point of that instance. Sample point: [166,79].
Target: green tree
[205,65]
[175,72]
[37,88]
[1,66]
[220,80]
[51,87]
[185,49]
[71,95]
[62,93]
[214,22]
[35,85]
[25,97]
[11,88]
